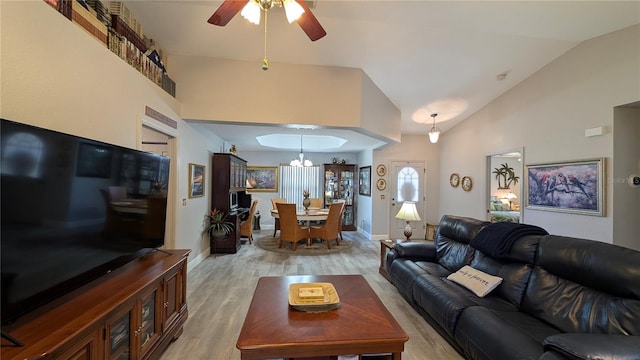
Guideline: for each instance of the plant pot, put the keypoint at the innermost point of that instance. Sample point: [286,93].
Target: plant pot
[218,234]
[306,202]
[217,238]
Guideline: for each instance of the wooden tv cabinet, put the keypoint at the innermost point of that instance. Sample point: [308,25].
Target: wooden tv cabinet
[132,313]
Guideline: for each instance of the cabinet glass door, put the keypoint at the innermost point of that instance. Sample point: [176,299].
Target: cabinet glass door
[120,338]
[148,326]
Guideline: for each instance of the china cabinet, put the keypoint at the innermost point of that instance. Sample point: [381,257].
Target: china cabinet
[339,184]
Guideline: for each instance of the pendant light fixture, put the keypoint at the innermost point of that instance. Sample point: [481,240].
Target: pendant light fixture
[434,133]
[300,161]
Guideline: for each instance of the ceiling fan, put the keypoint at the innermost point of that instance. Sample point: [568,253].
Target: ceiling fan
[251,11]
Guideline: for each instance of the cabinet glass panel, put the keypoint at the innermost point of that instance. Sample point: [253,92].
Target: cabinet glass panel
[346,186]
[120,338]
[148,324]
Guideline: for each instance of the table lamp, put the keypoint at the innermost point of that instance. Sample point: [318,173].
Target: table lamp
[408,212]
[510,196]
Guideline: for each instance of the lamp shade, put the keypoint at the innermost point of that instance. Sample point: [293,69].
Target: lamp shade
[434,135]
[293,10]
[511,196]
[408,212]
[251,12]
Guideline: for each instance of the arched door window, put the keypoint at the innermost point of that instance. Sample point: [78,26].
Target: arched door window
[408,185]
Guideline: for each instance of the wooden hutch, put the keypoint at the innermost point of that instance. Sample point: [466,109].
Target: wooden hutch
[228,186]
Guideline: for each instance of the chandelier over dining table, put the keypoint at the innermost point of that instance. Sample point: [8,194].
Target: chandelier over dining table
[300,161]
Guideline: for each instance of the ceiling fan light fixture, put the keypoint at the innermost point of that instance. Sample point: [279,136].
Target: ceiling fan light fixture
[251,12]
[293,10]
[434,133]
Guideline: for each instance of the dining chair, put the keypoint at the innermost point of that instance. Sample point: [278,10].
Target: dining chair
[316,203]
[246,226]
[290,230]
[330,230]
[343,202]
[275,201]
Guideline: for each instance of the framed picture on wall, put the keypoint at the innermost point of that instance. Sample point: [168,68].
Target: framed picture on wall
[364,182]
[262,178]
[196,180]
[570,187]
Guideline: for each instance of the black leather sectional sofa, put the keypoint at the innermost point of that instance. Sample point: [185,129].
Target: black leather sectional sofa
[560,297]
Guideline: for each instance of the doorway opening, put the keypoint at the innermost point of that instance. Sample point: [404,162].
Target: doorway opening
[504,186]
[156,139]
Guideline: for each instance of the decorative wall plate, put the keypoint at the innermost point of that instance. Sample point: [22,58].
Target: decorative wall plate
[454,180]
[381,184]
[466,183]
[381,170]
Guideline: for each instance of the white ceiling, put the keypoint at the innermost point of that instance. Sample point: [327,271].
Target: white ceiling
[426,56]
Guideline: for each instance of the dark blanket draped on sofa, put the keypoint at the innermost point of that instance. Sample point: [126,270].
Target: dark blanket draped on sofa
[496,239]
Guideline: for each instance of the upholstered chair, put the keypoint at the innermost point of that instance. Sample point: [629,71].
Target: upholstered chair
[330,230]
[246,226]
[290,230]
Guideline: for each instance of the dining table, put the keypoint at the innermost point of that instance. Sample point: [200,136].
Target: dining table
[307,215]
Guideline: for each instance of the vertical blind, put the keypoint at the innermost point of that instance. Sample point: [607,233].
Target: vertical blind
[294,180]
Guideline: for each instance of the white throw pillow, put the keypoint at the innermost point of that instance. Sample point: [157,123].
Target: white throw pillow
[475,280]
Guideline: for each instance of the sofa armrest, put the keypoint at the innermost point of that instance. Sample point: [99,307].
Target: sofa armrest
[594,346]
[415,251]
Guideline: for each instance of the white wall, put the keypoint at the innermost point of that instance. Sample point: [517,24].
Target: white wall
[411,148]
[546,115]
[364,216]
[56,76]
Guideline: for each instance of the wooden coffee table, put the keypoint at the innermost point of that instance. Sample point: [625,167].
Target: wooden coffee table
[362,325]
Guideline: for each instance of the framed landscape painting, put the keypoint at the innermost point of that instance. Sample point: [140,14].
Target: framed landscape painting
[570,187]
[262,178]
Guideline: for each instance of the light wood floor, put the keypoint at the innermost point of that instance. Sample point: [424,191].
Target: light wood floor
[220,288]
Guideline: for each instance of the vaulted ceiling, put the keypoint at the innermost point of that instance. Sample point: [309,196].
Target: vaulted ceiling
[445,57]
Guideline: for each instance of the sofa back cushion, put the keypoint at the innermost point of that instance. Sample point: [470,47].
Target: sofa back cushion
[514,267]
[452,240]
[585,286]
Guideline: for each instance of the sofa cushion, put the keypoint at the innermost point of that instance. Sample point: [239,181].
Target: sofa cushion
[480,283]
[515,276]
[585,286]
[444,300]
[441,299]
[484,333]
[600,266]
[452,240]
[433,268]
[575,308]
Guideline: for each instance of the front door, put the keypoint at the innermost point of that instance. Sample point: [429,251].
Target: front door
[407,184]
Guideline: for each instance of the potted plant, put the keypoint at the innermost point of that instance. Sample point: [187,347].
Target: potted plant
[219,225]
[507,175]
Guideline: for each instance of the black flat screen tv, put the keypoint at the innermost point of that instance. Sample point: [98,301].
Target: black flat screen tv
[73,209]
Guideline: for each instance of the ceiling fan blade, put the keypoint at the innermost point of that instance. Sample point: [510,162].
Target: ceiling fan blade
[226,12]
[309,24]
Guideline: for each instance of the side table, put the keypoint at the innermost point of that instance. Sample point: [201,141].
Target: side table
[385,246]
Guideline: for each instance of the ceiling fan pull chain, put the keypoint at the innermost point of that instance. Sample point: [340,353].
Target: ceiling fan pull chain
[265,62]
